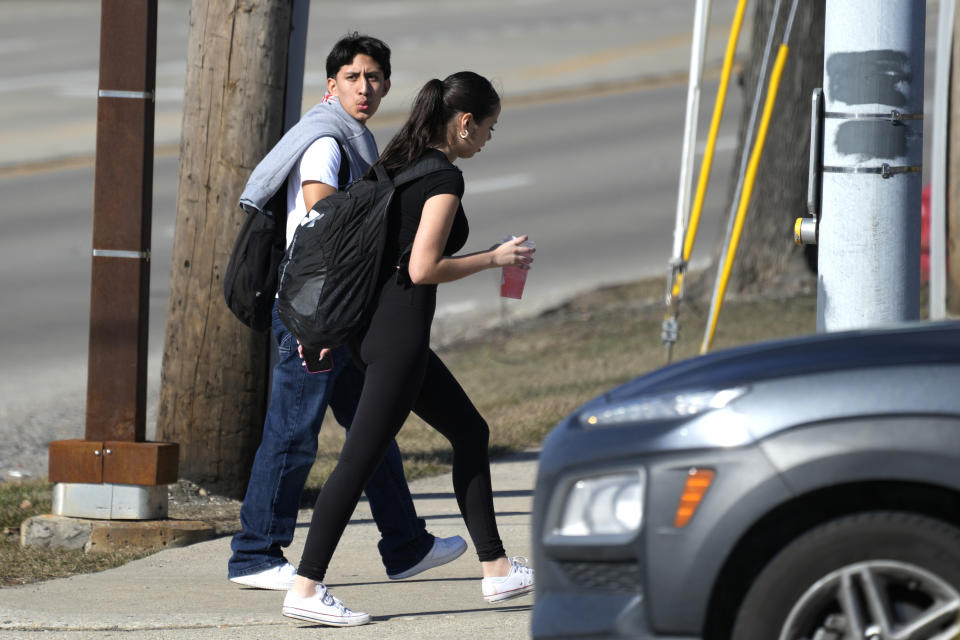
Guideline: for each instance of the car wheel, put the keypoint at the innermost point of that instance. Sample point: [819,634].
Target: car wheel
[871,576]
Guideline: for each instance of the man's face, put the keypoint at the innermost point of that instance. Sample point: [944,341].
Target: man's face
[360,86]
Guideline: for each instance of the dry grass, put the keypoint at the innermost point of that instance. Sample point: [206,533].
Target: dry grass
[526,378]
[25,565]
[19,565]
[523,379]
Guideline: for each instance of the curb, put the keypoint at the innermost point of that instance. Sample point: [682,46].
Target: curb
[107,536]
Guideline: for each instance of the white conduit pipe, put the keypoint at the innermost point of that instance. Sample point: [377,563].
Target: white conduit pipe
[697,54]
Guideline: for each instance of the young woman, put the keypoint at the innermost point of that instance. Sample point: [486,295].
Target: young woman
[451,119]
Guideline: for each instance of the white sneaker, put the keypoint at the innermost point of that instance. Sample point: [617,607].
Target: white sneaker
[444,550]
[322,607]
[278,578]
[516,583]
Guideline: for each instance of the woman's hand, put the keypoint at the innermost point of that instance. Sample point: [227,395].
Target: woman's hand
[512,253]
[427,263]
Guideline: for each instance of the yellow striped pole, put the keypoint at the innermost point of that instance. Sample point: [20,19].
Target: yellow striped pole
[749,180]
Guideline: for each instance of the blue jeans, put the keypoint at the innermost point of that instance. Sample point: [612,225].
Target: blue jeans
[287,451]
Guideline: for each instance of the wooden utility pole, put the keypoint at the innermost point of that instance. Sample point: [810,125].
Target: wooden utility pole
[953,177]
[213,392]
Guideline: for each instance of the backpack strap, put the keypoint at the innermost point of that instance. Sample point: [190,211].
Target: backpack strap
[379,173]
[343,176]
[422,167]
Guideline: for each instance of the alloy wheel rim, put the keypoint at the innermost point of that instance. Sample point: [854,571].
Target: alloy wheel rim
[876,600]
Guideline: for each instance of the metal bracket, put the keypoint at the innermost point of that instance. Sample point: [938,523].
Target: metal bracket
[816,153]
[669,330]
[678,266]
[806,229]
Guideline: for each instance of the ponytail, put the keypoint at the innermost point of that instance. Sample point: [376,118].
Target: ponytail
[433,108]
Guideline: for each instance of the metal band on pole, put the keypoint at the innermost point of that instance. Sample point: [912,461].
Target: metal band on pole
[117,253]
[893,116]
[130,95]
[884,170]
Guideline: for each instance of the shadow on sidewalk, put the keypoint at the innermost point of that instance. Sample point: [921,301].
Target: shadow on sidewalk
[445,516]
[417,614]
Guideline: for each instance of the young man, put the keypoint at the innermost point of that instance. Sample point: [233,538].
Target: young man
[309,159]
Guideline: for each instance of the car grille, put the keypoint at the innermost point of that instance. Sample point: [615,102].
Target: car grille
[613,576]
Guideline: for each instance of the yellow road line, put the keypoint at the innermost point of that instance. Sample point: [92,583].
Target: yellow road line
[583,92]
[598,58]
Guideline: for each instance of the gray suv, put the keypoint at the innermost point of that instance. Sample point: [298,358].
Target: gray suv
[805,489]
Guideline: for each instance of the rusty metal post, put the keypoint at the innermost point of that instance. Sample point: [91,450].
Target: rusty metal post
[113,451]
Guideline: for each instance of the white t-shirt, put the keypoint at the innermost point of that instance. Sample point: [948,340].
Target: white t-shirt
[320,163]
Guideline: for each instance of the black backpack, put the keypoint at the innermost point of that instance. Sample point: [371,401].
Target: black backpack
[252,275]
[328,277]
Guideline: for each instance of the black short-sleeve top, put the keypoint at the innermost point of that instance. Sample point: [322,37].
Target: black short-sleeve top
[408,207]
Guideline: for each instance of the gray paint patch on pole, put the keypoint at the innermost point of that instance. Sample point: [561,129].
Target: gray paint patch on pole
[876,139]
[869,77]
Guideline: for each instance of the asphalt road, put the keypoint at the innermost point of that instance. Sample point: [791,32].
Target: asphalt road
[598,203]
[49,54]
[591,175]
[585,159]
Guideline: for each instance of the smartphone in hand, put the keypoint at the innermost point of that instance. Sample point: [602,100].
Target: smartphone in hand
[315,363]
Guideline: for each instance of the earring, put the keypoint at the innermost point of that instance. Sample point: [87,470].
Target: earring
[463,135]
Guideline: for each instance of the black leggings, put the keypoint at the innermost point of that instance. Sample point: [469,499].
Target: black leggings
[404,374]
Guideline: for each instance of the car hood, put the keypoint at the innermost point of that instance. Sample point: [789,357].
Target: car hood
[914,344]
[909,345]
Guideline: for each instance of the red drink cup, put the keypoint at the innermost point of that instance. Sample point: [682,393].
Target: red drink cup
[512,281]
[513,278]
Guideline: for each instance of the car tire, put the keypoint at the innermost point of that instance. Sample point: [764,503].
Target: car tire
[821,584]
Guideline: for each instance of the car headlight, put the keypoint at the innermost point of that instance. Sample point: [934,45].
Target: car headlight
[671,405]
[599,509]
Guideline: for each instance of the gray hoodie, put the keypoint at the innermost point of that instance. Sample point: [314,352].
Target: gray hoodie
[327,118]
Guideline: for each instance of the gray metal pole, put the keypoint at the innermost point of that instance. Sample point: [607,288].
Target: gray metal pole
[296,61]
[869,237]
[292,107]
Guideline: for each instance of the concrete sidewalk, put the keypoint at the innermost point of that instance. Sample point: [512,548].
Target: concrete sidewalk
[184,593]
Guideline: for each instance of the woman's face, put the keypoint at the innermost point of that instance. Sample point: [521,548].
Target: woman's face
[478,133]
